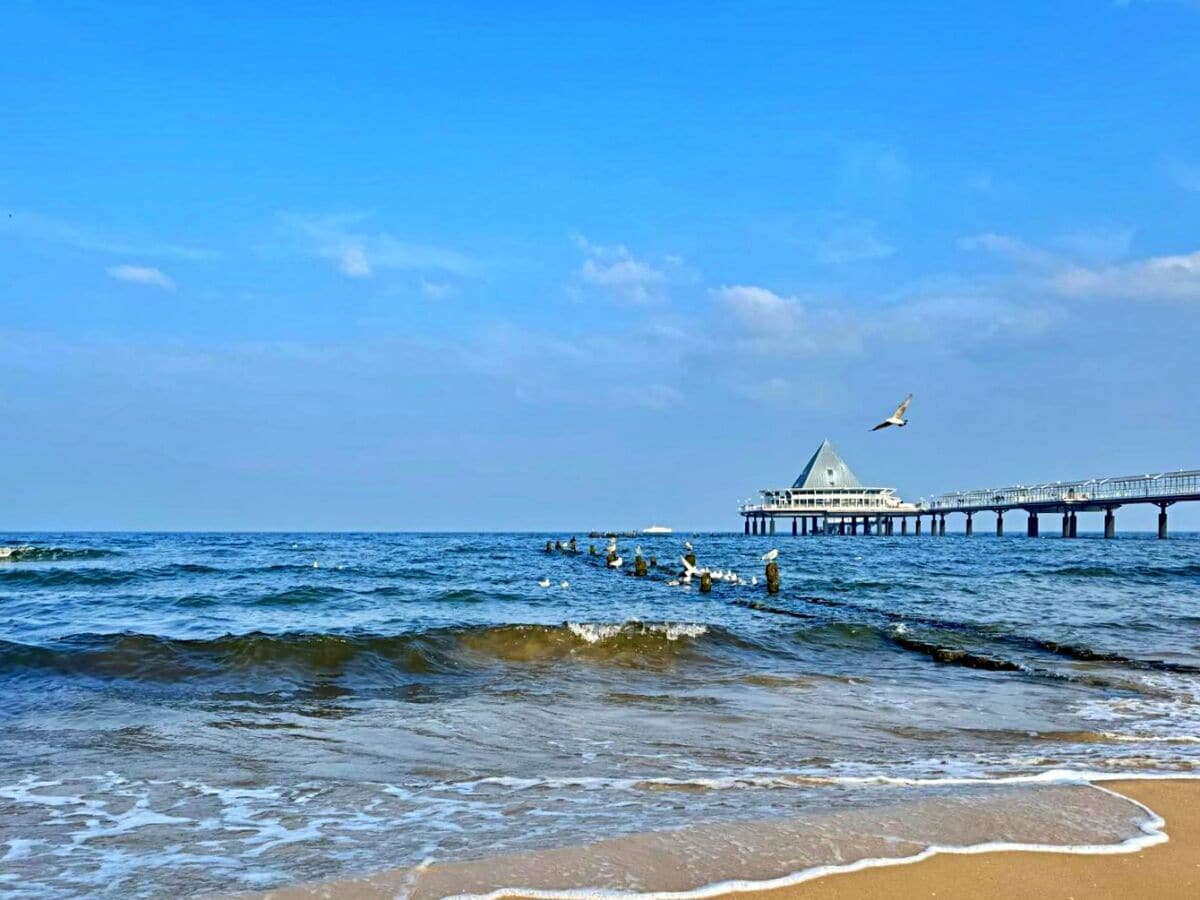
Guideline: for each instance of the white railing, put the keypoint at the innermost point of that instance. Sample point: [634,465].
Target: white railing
[1165,487]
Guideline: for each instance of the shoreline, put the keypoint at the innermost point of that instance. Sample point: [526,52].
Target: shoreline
[1163,860]
[1166,869]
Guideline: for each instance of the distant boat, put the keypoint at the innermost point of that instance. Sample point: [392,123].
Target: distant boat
[657,529]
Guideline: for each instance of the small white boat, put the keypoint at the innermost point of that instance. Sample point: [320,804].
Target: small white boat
[657,529]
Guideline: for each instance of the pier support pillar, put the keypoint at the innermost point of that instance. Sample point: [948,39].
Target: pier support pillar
[904,525]
[1032,528]
[804,526]
[1066,524]
[942,525]
[867,523]
[970,524]
[794,527]
[815,520]
[1074,524]
[842,527]
[854,525]
[1110,523]
[918,525]
[1162,521]
[746,526]
[999,523]
[772,524]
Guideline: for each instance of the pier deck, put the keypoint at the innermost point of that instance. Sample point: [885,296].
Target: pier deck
[1069,498]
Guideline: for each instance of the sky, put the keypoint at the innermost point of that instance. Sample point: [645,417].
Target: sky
[492,266]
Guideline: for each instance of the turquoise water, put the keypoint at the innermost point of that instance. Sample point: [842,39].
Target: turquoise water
[196,713]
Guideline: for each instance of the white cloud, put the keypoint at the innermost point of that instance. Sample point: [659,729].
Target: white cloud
[360,254]
[758,310]
[1156,278]
[615,271]
[33,226]
[142,275]
[1153,278]
[853,242]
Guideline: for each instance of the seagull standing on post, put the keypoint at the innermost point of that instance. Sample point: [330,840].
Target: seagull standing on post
[896,418]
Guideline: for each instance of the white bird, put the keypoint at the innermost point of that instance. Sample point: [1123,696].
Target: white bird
[565,585]
[673,583]
[545,582]
[896,418]
[770,555]
[753,579]
[688,569]
[687,545]
[638,551]
[616,563]
[316,565]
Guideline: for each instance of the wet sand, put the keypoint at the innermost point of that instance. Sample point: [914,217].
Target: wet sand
[1165,870]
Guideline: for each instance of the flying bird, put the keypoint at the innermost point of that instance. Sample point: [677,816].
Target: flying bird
[770,555]
[896,418]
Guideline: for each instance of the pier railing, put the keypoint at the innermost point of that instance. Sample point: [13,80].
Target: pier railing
[1095,493]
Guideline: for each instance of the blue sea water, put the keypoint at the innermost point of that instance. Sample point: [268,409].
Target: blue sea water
[198,713]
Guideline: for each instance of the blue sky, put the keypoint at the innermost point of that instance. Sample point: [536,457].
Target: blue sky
[492,266]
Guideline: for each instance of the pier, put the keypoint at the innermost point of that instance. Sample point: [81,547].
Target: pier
[827,498]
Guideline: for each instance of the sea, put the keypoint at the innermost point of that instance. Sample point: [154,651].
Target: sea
[206,714]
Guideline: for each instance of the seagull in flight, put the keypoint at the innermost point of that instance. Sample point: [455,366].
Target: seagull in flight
[896,418]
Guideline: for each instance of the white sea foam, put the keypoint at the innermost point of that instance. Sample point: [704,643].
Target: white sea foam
[1151,834]
[595,633]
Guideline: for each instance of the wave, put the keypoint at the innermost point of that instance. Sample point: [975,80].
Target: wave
[97,576]
[1065,649]
[298,596]
[30,553]
[448,651]
[1139,571]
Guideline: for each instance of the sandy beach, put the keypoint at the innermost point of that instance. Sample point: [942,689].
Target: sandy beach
[1165,870]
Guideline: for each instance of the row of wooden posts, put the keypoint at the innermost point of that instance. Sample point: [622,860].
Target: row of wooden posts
[641,566]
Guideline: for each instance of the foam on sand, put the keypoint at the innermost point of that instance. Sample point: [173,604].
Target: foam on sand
[1055,814]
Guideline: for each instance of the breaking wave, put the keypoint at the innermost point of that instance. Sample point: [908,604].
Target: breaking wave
[30,553]
[438,651]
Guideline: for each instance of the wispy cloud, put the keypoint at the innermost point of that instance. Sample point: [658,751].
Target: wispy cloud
[615,271]
[358,253]
[1186,175]
[1175,277]
[438,290]
[853,241]
[36,227]
[147,275]
[1102,244]
[877,163]
[757,309]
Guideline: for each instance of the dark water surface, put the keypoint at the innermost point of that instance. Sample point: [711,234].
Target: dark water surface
[197,713]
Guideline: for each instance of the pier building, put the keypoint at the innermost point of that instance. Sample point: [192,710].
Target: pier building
[827,497]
